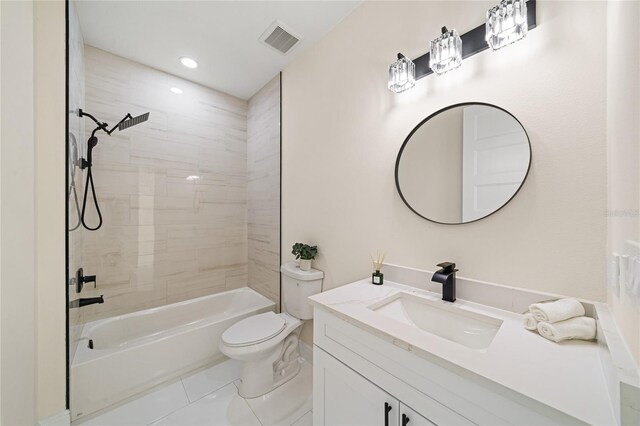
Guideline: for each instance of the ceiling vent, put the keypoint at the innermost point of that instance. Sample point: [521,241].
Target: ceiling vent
[279,37]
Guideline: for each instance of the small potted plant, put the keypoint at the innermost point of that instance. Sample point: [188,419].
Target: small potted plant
[305,253]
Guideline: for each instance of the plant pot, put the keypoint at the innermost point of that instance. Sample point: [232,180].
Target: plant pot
[305,264]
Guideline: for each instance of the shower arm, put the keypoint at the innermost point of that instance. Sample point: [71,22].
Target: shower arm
[93,140]
[103,126]
[126,117]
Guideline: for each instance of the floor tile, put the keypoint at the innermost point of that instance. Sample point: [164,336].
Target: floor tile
[289,402]
[306,420]
[213,378]
[222,407]
[144,410]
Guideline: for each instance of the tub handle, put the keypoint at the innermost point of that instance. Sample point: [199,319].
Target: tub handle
[82,279]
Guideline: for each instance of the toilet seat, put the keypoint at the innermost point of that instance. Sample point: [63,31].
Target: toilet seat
[255,329]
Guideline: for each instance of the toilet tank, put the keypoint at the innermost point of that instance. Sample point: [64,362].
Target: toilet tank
[297,286]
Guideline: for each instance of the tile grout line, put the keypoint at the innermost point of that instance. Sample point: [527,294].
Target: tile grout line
[208,393]
[296,420]
[248,405]
[177,409]
[184,388]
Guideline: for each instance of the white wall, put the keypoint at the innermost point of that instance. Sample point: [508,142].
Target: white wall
[50,234]
[17,231]
[342,129]
[623,152]
[32,279]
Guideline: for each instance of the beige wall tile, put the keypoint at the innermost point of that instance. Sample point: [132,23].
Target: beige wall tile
[164,238]
[263,189]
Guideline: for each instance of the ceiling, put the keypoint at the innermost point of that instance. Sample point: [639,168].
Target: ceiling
[222,36]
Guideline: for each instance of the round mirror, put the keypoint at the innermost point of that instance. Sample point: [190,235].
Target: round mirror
[463,163]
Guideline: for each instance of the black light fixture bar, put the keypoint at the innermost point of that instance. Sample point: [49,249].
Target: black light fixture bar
[472,42]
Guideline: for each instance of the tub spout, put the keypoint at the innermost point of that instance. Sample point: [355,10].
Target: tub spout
[79,303]
[90,301]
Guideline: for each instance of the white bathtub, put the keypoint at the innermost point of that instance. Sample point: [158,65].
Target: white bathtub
[134,352]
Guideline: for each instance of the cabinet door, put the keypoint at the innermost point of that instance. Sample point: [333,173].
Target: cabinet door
[342,397]
[408,417]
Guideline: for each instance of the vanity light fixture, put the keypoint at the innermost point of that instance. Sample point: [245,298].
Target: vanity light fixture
[506,23]
[176,90]
[192,178]
[402,74]
[446,52]
[188,62]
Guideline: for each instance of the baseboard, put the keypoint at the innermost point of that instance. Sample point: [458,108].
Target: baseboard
[63,418]
[306,352]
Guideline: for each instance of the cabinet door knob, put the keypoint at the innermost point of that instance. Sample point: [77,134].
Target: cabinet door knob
[405,419]
[387,408]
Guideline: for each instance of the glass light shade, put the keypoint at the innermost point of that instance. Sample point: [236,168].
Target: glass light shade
[402,74]
[446,52]
[506,23]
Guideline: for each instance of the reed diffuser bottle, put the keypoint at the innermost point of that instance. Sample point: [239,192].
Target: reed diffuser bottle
[377,277]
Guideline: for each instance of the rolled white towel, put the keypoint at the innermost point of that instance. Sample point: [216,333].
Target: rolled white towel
[583,328]
[529,321]
[559,310]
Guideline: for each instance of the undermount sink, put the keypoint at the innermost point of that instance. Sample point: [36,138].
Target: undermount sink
[475,331]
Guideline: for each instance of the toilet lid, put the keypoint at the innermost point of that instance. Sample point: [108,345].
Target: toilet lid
[255,329]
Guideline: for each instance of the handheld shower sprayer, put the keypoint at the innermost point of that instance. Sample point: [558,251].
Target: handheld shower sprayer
[125,123]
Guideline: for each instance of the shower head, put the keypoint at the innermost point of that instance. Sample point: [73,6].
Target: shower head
[125,124]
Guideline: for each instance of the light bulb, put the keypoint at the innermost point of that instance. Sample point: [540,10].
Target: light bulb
[446,52]
[402,74]
[506,23]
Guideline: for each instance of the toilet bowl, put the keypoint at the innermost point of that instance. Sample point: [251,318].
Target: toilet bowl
[267,344]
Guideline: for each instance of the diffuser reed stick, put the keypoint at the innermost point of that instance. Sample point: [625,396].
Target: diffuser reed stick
[378,261]
[377,277]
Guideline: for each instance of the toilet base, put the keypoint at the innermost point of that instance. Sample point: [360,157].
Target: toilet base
[259,377]
[248,389]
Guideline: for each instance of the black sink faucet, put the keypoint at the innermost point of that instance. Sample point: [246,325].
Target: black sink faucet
[447,277]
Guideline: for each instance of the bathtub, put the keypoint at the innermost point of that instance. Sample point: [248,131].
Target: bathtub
[134,352]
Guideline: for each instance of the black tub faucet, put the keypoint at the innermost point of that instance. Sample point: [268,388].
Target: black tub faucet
[447,277]
[79,303]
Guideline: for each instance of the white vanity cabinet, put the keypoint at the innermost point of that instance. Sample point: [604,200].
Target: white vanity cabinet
[348,399]
[356,372]
[408,417]
[442,363]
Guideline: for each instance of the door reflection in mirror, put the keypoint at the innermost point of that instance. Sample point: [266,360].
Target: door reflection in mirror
[463,163]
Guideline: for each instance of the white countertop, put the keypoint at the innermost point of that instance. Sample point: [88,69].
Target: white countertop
[566,376]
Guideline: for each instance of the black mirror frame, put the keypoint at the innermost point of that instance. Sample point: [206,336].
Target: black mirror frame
[429,118]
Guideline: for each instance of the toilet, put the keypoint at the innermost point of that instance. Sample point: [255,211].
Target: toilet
[267,344]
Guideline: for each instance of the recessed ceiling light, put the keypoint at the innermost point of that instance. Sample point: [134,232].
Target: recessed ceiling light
[188,62]
[176,90]
[192,178]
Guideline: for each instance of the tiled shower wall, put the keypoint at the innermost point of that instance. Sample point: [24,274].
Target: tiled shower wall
[76,142]
[263,161]
[172,190]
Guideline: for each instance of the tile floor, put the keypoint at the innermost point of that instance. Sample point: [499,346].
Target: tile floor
[210,397]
